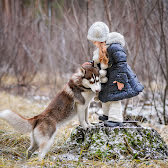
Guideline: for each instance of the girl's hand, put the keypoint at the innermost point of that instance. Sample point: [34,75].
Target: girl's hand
[119,85]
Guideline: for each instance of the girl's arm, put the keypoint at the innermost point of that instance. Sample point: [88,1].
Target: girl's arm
[118,58]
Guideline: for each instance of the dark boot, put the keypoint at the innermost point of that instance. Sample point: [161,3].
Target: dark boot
[112,124]
[103,117]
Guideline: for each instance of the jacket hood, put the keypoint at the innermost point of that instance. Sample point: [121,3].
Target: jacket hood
[115,37]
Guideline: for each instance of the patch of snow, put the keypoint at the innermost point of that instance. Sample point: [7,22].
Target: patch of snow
[44,98]
[67,157]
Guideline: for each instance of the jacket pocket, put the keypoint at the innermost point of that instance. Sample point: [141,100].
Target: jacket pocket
[122,78]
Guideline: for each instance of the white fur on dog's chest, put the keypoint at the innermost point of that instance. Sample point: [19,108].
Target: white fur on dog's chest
[88,96]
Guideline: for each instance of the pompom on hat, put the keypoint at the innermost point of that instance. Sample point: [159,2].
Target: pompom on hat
[98,31]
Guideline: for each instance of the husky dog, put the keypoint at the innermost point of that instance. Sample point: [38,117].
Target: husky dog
[72,100]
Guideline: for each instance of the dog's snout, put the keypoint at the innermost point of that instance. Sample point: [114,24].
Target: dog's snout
[97,91]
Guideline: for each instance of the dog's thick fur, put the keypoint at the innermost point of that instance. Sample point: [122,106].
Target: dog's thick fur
[72,100]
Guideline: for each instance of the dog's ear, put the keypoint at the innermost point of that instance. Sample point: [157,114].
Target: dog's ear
[82,70]
[84,67]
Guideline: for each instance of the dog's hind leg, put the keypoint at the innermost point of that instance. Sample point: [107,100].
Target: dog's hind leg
[45,145]
[33,147]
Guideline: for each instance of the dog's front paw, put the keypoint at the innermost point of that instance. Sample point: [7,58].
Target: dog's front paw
[85,126]
[90,125]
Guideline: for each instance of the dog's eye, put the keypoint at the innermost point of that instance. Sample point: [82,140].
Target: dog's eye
[91,82]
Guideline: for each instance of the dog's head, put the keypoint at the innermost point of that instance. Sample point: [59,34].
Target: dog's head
[90,77]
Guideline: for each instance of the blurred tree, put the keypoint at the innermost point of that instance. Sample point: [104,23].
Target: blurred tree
[50,37]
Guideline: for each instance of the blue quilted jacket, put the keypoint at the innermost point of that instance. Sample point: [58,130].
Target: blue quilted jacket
[119,70]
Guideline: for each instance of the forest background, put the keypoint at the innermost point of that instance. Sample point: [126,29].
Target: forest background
[46,40]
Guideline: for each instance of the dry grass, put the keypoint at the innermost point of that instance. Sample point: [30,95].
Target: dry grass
[43,84]
[13,145]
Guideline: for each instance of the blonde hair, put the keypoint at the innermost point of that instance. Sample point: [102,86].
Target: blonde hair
[103,53]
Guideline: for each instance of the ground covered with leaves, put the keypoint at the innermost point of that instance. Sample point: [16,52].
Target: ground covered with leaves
[13,145]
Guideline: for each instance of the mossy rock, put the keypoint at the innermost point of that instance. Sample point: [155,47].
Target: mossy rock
[127,142]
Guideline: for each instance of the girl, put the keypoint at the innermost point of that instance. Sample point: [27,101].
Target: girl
[121,82]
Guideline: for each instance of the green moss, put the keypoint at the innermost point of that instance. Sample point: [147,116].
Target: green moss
[116,131]
[107,143]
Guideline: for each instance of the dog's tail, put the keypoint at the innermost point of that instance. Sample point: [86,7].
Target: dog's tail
[18,122]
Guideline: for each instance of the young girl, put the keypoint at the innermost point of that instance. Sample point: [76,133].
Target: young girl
[120,81]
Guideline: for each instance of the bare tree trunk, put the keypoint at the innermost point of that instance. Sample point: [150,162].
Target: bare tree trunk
[164,68]
[164,105]
[108,14]
[87,19]
[7,8]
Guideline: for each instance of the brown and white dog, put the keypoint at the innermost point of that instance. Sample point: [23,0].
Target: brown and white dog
[72,100]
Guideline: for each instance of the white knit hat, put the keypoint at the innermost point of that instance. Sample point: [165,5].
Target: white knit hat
[98,32]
